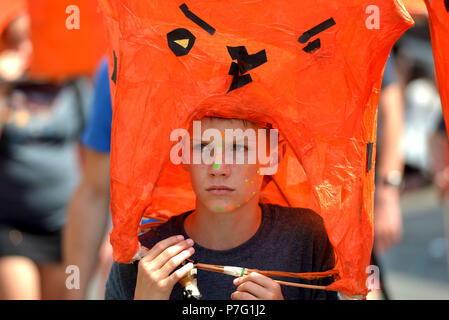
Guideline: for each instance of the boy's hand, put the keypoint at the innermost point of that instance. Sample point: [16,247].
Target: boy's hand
[154,281]
[257,287]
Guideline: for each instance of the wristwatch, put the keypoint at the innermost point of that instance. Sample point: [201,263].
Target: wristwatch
[392,179]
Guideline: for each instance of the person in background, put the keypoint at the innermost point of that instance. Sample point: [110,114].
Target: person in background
[439,155]
[39,167]
[389,169]
[86,242]
[439,165]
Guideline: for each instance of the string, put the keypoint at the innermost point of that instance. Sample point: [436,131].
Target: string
[244,271]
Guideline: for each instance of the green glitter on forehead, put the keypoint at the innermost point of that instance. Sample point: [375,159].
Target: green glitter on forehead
[216,165]
[218,208]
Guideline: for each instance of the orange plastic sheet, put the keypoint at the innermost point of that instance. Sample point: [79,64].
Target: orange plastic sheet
[439,34]
[9,10]
[61,49]
[319,86]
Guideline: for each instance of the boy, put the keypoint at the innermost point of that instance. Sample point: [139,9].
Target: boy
[228,227]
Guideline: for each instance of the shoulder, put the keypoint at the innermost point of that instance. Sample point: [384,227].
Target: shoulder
[171,227]
[297,219]
[121,282]
[122,279]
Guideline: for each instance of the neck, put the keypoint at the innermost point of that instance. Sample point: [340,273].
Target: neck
[224,230]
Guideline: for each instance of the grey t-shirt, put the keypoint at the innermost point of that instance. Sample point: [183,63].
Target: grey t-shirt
[288,239]
[39,166]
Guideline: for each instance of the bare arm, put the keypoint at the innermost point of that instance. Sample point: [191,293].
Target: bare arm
[439,161]
[392,113]
[3,116]
[87,219]
[387,212]
[4,110]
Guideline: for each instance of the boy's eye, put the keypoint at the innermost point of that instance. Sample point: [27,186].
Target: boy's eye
[240,148]
[200,146]
[204,146]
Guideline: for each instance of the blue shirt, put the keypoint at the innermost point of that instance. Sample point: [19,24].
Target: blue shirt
[97,133]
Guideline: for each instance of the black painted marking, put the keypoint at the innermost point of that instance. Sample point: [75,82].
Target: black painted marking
[238,80]
[247,62]
[316,30]
[312,46]
[369,156]
[446,3]
[189,14]
[114,73]
[180,34]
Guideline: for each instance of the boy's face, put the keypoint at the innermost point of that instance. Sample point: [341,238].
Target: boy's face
[223,187]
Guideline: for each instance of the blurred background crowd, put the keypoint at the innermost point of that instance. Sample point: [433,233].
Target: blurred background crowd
[55,123]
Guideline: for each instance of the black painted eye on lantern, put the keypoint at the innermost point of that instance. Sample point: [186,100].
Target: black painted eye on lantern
[180,41]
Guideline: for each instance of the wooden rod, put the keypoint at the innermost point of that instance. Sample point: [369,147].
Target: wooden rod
[220,269]
[300,285]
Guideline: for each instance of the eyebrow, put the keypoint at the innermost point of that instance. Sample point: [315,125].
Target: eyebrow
[204,25]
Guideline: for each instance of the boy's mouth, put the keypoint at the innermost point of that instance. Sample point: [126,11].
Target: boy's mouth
[220,190]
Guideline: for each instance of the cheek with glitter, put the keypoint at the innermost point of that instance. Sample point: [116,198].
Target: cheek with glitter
[256,178]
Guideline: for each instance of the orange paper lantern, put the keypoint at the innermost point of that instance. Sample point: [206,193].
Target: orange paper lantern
[439,33]
[315,70]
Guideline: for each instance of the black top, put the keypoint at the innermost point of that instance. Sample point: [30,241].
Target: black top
[288,239]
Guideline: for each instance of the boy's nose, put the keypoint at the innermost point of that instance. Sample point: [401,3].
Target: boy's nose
[219,169]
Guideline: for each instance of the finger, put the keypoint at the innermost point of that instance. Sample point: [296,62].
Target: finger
[239,295]
[179,274]
[259,279]
[254,289]
[170,252]
[174,262]
[159,247]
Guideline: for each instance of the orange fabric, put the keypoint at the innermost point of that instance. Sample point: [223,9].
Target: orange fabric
[439,34]
[61,53]
[324,103]
[9,10]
